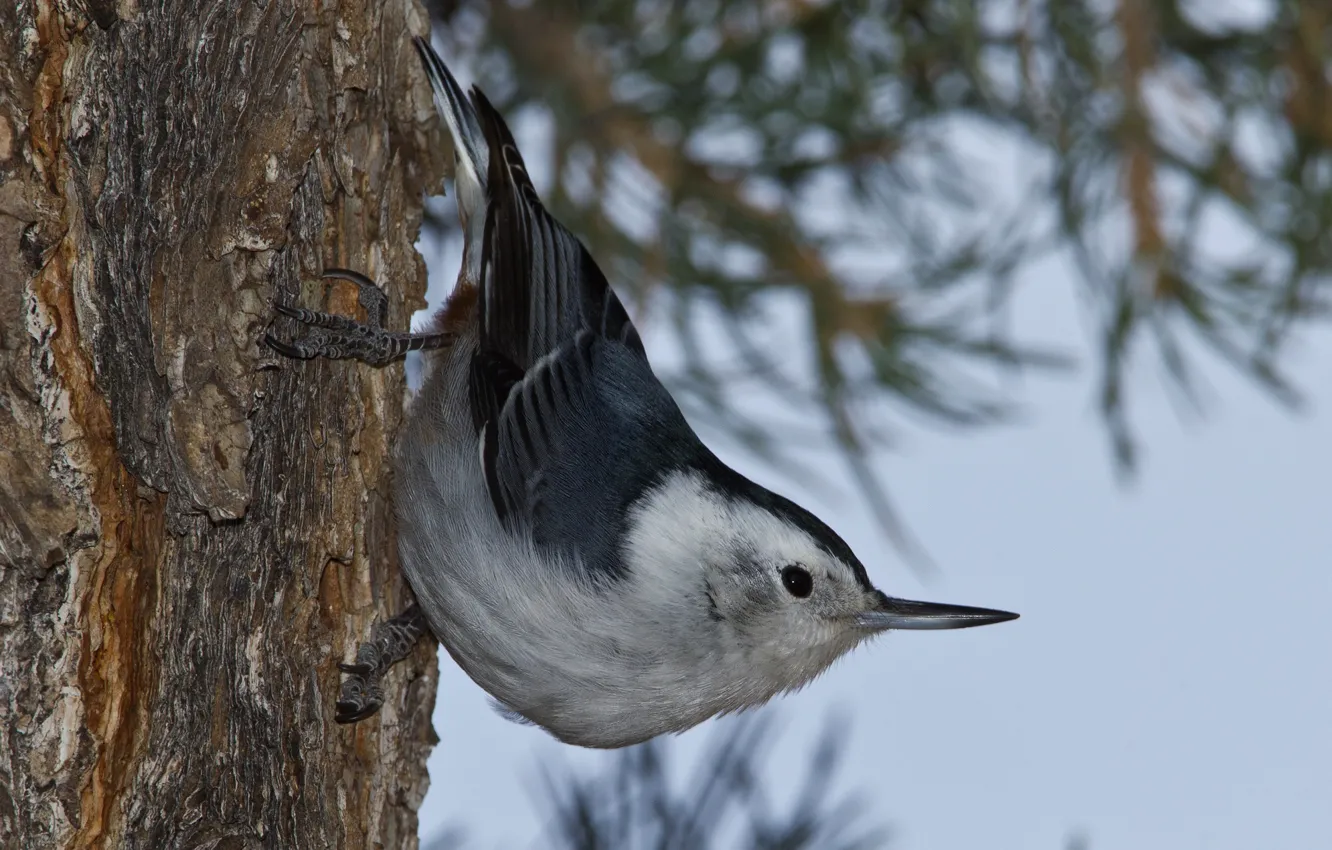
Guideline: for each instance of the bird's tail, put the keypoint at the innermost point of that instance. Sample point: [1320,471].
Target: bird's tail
[538,286]
[471,156]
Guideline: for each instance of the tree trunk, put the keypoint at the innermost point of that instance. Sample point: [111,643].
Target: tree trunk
[193,531]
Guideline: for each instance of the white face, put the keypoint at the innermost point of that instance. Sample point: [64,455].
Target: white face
[783,592]
[788,606]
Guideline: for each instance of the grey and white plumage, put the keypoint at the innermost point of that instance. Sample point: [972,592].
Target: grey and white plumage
[570,540]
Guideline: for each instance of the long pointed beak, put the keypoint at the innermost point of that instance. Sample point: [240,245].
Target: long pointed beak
[890,613]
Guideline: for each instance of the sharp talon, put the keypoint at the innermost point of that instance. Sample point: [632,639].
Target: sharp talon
[341,338]
[349,276]
[285,349]
[354,711]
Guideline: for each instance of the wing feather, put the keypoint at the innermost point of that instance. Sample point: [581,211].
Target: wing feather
[556,354]
[541,285]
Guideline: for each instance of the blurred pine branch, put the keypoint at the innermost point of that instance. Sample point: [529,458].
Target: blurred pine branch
[638,799]
[638,803]
[716,156]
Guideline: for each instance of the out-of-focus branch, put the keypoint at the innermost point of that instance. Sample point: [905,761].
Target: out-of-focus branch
[871,97]
[545,43]
[638,803]
[1309,97]
[1135,27]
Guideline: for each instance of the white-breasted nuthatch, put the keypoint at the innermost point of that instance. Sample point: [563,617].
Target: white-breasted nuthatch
[570,540]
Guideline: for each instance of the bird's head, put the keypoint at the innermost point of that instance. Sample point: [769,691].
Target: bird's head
[783,589]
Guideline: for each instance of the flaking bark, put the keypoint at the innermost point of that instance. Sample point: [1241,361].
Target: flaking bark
[194,531]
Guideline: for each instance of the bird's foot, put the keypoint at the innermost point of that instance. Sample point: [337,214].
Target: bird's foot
[338,337]
[362,694]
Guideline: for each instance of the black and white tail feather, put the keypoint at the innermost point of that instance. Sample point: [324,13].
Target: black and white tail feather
[471,158]
[540,286]
[544,302]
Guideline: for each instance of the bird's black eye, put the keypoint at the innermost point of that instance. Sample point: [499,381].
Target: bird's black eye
[799,583]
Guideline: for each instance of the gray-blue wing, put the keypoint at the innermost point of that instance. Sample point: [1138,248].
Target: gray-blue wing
[579,439]
[573,424]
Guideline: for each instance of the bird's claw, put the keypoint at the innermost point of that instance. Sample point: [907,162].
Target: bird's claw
[340,338]
[361,697]
[391,641]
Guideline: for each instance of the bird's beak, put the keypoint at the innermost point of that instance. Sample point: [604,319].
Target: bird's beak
[890,613]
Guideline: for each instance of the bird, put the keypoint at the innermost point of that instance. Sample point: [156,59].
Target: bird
[578,550]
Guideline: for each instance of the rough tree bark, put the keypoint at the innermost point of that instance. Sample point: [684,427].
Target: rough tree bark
[193,531]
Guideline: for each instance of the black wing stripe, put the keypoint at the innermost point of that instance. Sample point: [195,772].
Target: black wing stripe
[525,419]
[489,456]
[546,381]
[542,281]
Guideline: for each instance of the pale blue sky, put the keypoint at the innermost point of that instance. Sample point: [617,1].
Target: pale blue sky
[1167,687]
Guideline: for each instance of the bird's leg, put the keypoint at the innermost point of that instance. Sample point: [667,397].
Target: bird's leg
[389,643]
[339,337]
